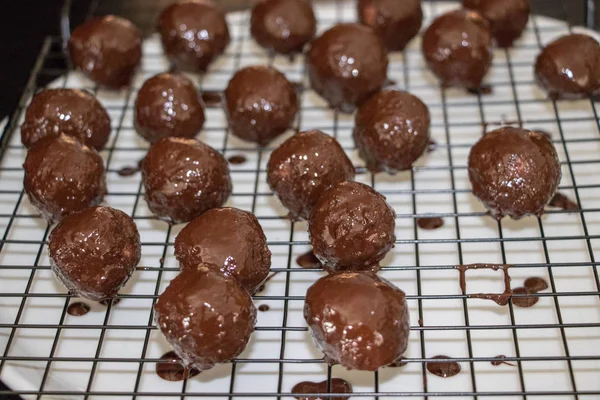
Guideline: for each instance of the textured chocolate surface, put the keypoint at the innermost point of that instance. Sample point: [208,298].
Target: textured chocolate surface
[168,105]
[94,252]
[303,167]
[231,240]
[396,22]
[107,49]
[74,112]
[507,18]
[357,319]
[514,172]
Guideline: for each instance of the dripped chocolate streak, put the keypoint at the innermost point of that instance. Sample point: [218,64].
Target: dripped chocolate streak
[443,369]
[262,287]
[390,82]
[401,362]
[500,360]
[525,301]
[298,86]
[303,389]
[499,298]
[483,90]
[308,260]
[212,98]
[563,202]
[431,145]
[237,159]
[430,223]
[535,284]
[114,301]
[172,368]
[263,307]
[78,309]
[420,321]
[128,171]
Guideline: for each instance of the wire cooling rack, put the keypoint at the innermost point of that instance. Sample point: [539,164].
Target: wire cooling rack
[112,351]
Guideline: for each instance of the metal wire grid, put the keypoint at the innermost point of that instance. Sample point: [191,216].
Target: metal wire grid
[419,248]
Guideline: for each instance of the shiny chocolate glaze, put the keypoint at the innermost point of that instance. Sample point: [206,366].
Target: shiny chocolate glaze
[396,22]
[507,18]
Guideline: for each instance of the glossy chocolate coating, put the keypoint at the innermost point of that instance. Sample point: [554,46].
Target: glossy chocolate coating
[183,178]
[458,48]
[391,130]
[507,18]
[514,172]
[283,26]
[107,49]
[94,252]
[303,167]
[396,22]
[261,104]
[231,240]
[347,64]
[168,105]
[569,67]
[357,319]
[71,111]
[62,176]
[206,316]
[351,227]
[193,34]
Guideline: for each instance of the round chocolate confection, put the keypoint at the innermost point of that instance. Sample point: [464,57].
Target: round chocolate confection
[261,104]
[569,67]
[351,227]
[62,176]
[396,22]
[107,49]
[183,178]
[283,26]
[514,172]
[168,105]
[193,34]
[458,48]
[94,252]
[391,130]
[71,111]
[507,18]
[347,64]
[303,167]
[357,319]
[231,240]
[206,316]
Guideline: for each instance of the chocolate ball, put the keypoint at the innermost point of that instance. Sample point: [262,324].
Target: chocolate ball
[206,316]
[396,22]
[569,67]
[347,64]
[391,130]
[183,178]
[62,176]
[229,239]
[303,167]
[283,26]
[71,111]
[514,172]
[358,320]
[107,49]
[261,104]
[507,18]
[193,34]
[458,48]
[94,252]
[351,227]
[168,105]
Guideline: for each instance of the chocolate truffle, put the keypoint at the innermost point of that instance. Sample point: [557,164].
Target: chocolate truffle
[283,26]
[458,48]
[261,104]
[168,105]
[62,176]
[183,178]
[569,67]
[396,22]
[107,49]
[357,319]
[94,252]
[71,111]
[303,167]
[231,240]
[193,34]
[507,18]
[206,316]
[347,64]
[514,172]
[391,130]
